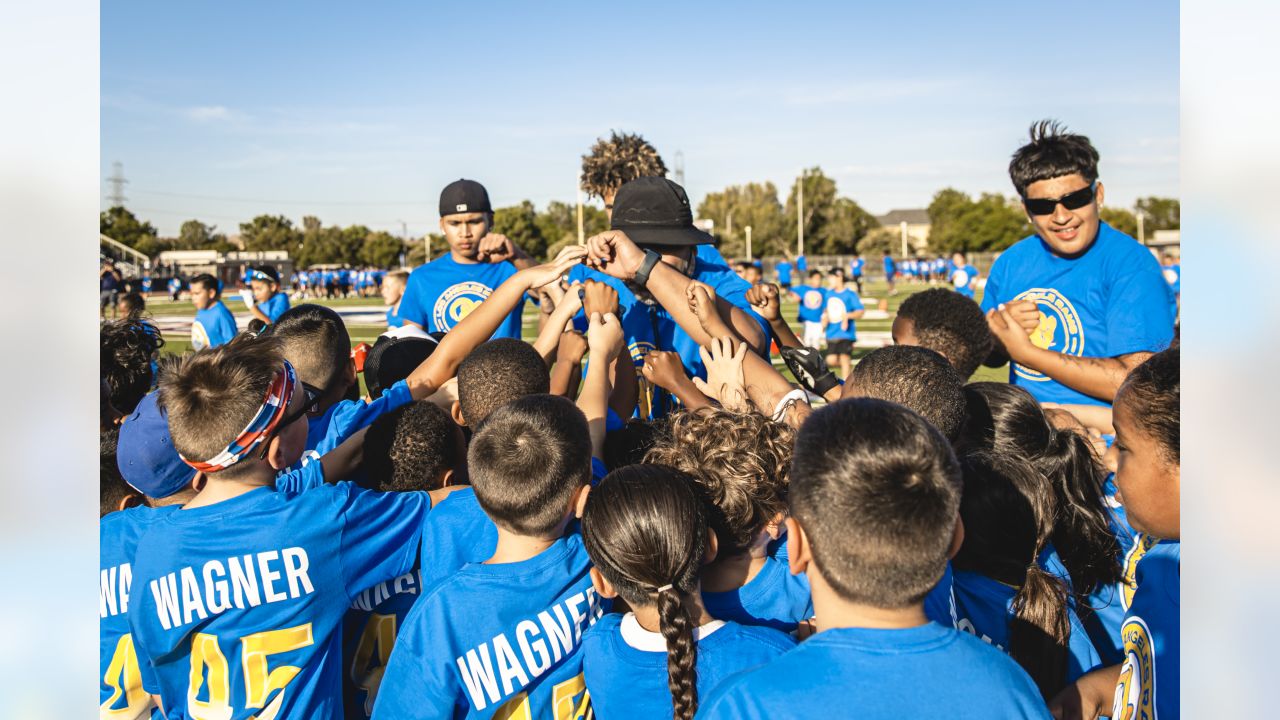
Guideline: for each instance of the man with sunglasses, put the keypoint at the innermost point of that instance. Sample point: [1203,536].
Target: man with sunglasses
[1076,306]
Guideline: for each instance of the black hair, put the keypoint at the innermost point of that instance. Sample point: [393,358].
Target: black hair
[1153,392]
[256,327]
[1008,514]
[628,445]
[391,360]
[208,282]
[134,305]
[496,373]
[815,271]
[411,448]
[916,377]
[836,272]
[111,484]
[269,271]
[315,340]
[876,489]
[1006,420]
[951,324]
[645,528]
[526,460]
[1053,152]
[127,348]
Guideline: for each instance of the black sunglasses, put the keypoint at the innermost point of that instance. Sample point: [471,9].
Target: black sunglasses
[1071,201]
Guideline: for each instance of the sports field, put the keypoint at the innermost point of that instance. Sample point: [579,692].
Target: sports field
[872,332]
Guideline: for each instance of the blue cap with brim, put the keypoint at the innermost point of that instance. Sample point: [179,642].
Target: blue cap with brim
[145,453]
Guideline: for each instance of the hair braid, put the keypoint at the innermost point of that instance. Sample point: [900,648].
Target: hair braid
[682,653]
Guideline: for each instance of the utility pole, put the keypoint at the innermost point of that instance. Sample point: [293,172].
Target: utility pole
[748,243]
[680,168]
[582,236]
[800,214]
[728,231]
[1142,238]
[118,181]
[903,227]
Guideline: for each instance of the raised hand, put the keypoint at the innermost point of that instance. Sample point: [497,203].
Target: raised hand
[599,297]
[549,272]
[604,336]
[664,369]
[764,300]
[1025,313]
[614,254]
[723,359]
[495,248]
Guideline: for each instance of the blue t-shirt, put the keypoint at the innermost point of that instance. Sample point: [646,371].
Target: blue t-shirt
[119,684]
[629,679]
[214,326]
[1149,679]
[441,293]
[784,272]
[928,671]
[498,639]
[393,316]
[984,608]
[963,279]
[369,634]
[246,596]
[802,264]
[839,304]
[940,603]
[890,267]
[345,417]
[454,533]
[1173,276]
[1110,301]
[774,598]
[855,267]
[813,300]
[275,306]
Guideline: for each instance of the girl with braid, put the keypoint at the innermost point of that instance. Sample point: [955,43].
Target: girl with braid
[645,528]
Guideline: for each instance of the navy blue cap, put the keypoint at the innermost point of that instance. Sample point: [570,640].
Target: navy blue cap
[145,454]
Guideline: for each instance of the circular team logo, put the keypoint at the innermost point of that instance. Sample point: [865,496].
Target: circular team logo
[457,302]
[1136,690]
[813,299]
[960,278]
[836,310]
[1141,544]
[199,338]
[1170,275]
[1059,329]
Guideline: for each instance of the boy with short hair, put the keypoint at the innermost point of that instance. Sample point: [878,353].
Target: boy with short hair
[813,299]
[501,637]
[241,622]
[392,290]
[964,277]
[947,323]
[885,483]
[843,307]
[915,377]
[214,324]
[264,298]
[494,374]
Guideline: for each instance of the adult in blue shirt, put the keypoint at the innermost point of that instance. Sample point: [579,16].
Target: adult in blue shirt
[784,273]
[855,271]
[964,276]
[1079,304]
[214,324]
[442,292]
[890,271]
[654,259]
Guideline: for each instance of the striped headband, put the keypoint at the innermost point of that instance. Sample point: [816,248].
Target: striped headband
[259,428]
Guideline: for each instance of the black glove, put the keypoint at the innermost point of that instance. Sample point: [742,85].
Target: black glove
[810,369]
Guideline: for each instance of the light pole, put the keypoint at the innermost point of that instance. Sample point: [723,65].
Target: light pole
[748,243]
[800,214]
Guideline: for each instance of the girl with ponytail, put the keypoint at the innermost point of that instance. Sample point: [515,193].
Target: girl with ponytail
[645,528]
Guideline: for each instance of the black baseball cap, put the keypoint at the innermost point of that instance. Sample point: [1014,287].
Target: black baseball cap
[656,211]
[464,196]
[392,359]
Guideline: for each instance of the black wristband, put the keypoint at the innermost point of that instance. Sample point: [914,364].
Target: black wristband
[651,259]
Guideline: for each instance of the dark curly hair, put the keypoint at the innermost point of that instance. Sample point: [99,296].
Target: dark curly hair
[618,160]
[950,324]
[127,349]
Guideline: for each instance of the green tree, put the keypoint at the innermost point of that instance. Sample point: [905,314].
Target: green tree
[832,225]
[1159,214]
[957,222]
[559,224]
[875,242]
[1120,219]
[520,224]
[195,235]
[270,232]
[738,206]
[123,226]
[381,249]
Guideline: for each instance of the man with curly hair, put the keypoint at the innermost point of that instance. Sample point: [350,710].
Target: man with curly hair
[617,161]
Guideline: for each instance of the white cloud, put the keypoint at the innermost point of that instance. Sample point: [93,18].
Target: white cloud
[208,113]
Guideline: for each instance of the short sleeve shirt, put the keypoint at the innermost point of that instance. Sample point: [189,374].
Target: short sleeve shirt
[441,293]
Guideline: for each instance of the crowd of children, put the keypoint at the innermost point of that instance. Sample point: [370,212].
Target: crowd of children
[504,529]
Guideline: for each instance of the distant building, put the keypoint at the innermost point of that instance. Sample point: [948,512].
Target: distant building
[227,267]
[917,227]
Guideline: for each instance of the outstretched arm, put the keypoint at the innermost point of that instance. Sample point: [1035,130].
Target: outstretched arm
[604,343]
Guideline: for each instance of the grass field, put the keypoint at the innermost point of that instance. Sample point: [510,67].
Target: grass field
[175,343]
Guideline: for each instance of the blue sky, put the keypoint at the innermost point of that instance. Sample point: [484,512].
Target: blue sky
[360,113]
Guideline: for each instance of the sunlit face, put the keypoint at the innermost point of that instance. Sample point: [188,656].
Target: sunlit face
[463,232]
[1149,483]
[262,290]
[751,274]
[1067,232]
[391,291]
[959,260]
[202,297]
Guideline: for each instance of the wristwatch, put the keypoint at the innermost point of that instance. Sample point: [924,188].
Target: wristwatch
[651,259]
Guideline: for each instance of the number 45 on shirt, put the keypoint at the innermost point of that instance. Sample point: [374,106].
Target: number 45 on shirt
[209,667]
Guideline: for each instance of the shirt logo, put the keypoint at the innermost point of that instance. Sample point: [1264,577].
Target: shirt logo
[1136,691]
[457,302]
[813,299]
[961,278]
[1170,275]
[1059,330]
[836,310]
[199,338]
[1129,583]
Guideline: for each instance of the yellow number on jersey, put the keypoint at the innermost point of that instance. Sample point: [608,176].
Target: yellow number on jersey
[562,707]
[259,680]
[371,656]
[517,708]
[125,680]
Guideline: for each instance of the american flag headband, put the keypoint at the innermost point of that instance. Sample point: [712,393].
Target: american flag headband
[259,429]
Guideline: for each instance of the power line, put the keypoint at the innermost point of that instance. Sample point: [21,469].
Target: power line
[356,203]
[118,181]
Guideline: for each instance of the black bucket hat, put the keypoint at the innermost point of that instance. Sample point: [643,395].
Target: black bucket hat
[656,211]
